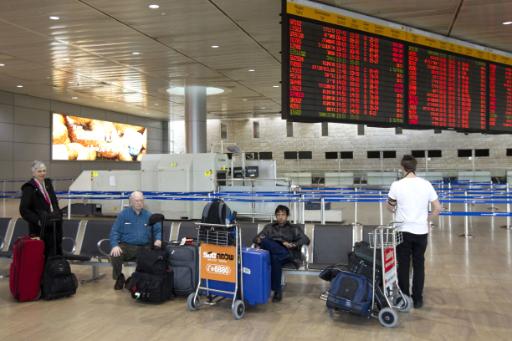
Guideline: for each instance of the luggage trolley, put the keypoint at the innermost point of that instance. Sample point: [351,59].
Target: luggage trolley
[220,260]
[385,300]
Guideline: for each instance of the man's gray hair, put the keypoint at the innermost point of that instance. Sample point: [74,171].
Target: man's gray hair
[37,165]
[136,194]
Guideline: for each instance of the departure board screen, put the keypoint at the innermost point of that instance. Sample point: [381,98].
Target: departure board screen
[446,90]
[500,98]
[341,75]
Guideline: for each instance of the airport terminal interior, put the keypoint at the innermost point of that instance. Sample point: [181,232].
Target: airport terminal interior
[308,104]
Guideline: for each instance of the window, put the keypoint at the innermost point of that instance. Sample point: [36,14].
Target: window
[325,129]
[418,153]
[373,154]
[509,151]
[305,155]
[256,129]
[464,153]
[223,131]
[290,155]
[346,155]
[360,129]
[331,155]
[289,129]
[435,153]
[389,154]
[265,155]
[482,152]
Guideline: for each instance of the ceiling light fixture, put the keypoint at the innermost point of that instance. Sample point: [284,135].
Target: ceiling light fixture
[251,70]
[275,86]
[154,6]
[507,23]
[215,46]
[180,91]
[19,86]
[135,53]
[74,97]
[2,64]
[54,17]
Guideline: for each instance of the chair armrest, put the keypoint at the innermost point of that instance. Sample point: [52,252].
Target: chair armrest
[1,242]
[73,249]
[304,250]
[101,249]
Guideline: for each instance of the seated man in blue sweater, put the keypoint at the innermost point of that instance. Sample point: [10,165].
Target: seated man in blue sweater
[129,234]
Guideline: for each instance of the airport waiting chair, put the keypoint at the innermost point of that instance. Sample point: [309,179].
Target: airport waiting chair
[4,239]
[331,245]
[187,228]
[69,236]
[249,231]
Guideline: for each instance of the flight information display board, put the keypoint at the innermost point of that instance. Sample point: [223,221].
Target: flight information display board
[338,67]
[446,90]
[341,75]
[500,98]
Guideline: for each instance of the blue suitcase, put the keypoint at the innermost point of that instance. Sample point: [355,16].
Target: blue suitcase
[256,278]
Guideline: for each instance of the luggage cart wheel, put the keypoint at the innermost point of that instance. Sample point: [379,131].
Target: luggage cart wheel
[403,303]
[238,309]
[192,302]
[388,317]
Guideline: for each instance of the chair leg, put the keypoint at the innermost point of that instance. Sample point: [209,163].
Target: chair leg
[96,275]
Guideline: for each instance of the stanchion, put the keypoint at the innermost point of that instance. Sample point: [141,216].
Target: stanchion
[508,227]
[69,205]
[355,205]
[4,212]
[303,209]
[466,218]
[322,210]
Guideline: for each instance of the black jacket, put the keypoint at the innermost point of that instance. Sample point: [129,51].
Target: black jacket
[287,233]
[33,206]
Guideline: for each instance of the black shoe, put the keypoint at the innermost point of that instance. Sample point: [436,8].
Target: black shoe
[278,296]
[418,304]
[119,282]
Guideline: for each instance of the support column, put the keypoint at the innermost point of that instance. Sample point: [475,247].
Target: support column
[195,119]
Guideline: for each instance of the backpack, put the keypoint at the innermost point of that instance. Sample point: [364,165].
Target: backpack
[217,212]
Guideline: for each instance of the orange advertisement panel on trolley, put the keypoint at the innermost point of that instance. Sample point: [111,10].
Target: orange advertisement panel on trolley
[218,262]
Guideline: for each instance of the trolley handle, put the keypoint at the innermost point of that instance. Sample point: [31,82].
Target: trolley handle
[215,225]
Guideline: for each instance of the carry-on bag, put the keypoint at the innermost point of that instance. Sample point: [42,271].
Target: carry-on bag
[350,292]
[26,269]
[152,280]
[58,280]
[184,260]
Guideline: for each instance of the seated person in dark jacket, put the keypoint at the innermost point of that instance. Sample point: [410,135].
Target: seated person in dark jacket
[129,234]
[283,240]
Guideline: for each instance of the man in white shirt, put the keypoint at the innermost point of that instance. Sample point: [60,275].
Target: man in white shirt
[408,198]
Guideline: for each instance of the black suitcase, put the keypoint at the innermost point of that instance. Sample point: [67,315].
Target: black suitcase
[58,280]
[152,280]
[184,260]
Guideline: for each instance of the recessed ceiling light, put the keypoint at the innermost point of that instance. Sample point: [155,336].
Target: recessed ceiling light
[507,23]
[215,46]
[154,6]
[2,64]
[135,53]
[275,86]
[54,17]
[180,91]
[251,70]
[74,97]
[19,86]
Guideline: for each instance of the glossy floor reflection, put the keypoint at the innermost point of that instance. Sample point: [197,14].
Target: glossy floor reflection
[467,297]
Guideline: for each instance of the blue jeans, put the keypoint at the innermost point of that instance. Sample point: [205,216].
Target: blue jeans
[279,255]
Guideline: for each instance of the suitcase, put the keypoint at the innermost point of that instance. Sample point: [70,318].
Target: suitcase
[152,280]
[26,269]
[58,280]
[350,292]
[184,260]
[256,278]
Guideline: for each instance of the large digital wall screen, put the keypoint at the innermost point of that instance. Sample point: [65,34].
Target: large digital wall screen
[86,139]
[340,68]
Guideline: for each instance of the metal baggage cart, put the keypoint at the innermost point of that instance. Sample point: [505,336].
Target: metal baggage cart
[220,250]
[388,298]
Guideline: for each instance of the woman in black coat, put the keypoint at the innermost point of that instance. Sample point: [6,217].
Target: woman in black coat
[39,203]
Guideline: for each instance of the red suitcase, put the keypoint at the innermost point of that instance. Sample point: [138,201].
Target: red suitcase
[26,269]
